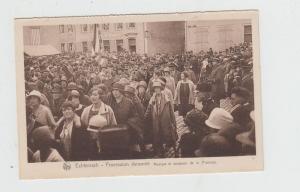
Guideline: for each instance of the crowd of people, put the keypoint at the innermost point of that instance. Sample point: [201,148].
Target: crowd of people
[124,105]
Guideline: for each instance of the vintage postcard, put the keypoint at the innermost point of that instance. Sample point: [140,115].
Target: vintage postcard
[138,94]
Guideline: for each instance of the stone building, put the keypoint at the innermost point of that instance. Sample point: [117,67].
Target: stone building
[153,37]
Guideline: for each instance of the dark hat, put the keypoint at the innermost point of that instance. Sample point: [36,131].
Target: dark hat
[203,87]
[229,132]
[118,86]
[241,92]
[213,145]
[42,135]
[163,80]
[68,104]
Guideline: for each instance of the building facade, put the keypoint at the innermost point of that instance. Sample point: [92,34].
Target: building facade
[218,35]
[153,37]
[113,37]
[165,37]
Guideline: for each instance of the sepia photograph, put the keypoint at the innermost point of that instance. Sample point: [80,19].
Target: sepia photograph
[138,94]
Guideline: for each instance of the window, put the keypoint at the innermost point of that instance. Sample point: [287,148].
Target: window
[119,26]
[105,26]
[92,28]
[106,45]
[35,36]
[132,45]
[62,47]
[119,45]
[225,37]
[61,28]
[71,47]
[131,25]
[84,28]
[70,28]
[248,33]
[84,46]
[201,37]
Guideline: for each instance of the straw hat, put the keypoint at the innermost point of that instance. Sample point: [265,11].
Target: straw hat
[35,93]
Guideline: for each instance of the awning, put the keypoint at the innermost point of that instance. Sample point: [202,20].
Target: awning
[39,50]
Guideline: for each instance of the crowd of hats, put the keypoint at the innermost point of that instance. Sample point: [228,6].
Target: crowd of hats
[127,65]
[54,73]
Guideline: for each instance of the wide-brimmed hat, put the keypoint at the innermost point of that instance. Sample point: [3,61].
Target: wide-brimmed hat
[35,93]
[219,118]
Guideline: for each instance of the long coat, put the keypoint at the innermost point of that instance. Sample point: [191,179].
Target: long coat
[191,95]
[163,122]
[218,87]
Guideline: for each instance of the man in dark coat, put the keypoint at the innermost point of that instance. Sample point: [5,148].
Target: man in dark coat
[241,107]
[142,94]
[126,114]
[203,97]
[217,78]
[191,73]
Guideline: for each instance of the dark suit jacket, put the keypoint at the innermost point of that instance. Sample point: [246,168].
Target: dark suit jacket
[241,115]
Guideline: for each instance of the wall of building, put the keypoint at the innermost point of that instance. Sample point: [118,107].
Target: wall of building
[126,33]
[151,38]
[218,35]
[165,37]
[48,35]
